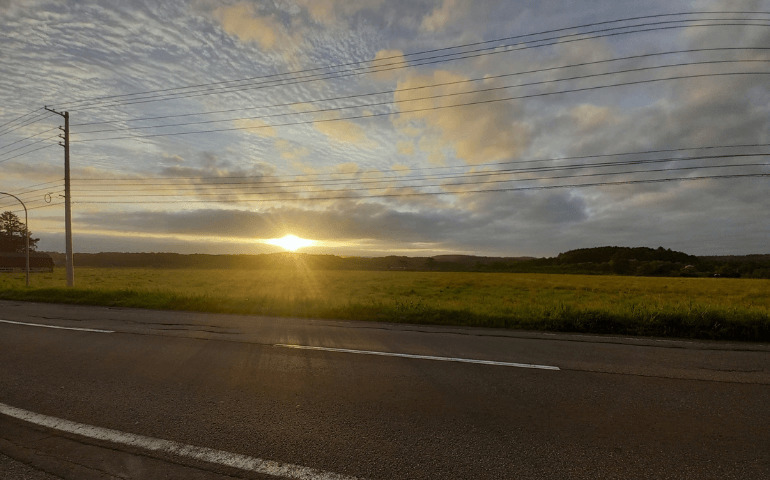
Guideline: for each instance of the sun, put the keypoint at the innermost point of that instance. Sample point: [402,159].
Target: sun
[291,243]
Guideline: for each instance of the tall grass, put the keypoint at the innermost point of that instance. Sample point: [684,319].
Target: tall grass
[713,308]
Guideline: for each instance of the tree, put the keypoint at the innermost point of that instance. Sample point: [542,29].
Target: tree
[12,234]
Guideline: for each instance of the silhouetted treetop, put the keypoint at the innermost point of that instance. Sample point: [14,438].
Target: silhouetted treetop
[12,234]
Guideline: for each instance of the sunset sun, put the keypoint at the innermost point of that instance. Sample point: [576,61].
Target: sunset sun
[291,242]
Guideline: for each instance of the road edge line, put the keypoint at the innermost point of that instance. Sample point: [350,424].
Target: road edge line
[210,455]
[58,327]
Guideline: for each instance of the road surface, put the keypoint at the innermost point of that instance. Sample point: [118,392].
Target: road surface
[93,392]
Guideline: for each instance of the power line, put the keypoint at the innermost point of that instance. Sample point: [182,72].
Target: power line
[41,184]
[49,205]
[163,90]
[441,84]
[417,110]
[20,117]
[47,190]
[443,167]
[401,178]
[26,123]
[367,70]
[134,194]
[431,97]
[28,152]
[421,194]
[27,146]
[75,104]
[30,199]
[41,187]
[27,138]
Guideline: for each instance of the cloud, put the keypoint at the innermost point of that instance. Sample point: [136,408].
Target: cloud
[322,11]
[6,5]
[145,45]
[587,117]
[440,16]
[503,214]
[342,131]
[342,222]
[290,151]
[244,22]
[331,12]
[385,63]
[482,133]
[256,127]
[348,168]
[405,148]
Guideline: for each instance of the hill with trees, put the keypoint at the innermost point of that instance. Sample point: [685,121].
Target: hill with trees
[640,261]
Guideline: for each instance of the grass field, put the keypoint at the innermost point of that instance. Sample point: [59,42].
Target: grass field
[716,308]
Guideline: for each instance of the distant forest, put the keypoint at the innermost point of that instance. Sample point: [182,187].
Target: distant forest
[640,261]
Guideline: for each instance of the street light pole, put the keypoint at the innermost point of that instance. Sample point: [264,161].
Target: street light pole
[26,229]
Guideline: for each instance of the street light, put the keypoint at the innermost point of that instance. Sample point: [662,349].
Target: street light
[26,228]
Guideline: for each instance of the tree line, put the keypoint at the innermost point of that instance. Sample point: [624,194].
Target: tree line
[607,260]
[641,261]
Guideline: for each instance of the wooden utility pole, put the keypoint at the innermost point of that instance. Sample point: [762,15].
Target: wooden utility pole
[67,203]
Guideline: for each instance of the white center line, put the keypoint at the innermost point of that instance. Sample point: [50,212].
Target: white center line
[339,350]
[58,327]
[210,455]
[421,357]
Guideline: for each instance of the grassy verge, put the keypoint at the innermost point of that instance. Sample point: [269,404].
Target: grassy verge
[726,309]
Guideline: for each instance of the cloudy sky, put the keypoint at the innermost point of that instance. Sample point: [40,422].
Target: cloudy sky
[373,127]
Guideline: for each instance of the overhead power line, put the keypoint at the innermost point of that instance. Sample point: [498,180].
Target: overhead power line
[27,146]
[423,194]
[89,102]
[15,209]
[304,190]
[144,179]
[28,137]
[388,186]
[25,123]
[19,118]
[6,159]
[426,86]
[425,109]
[26,187]
[401,65]
[403,185]
[430,97]
[115,187]
[31,198]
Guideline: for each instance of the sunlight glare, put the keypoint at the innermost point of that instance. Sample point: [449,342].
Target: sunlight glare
[291,242]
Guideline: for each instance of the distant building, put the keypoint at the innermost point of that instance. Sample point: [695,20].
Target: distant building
[17,262]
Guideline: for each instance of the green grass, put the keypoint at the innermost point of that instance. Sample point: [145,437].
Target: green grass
[711,308]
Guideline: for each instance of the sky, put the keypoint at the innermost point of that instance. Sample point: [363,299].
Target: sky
[389,127]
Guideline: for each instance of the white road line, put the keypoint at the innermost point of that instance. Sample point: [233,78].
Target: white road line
[210,455]
[58,327]
[421,357]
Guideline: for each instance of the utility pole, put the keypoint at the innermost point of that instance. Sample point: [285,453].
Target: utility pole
[67,204]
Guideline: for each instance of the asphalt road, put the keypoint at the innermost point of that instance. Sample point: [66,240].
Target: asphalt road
[238,396]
